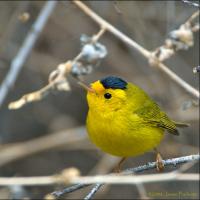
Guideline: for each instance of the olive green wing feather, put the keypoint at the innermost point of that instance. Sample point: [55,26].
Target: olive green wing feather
[152,114]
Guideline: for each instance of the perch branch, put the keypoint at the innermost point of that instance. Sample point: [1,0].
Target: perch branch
[151,165]
[148,54]
[18,62]
[136,179]
[71,175]
[106,164]
[140,186]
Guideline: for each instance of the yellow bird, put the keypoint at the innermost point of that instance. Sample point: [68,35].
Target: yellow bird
[124,121]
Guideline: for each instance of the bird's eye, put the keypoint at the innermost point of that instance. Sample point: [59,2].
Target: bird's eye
[107,95]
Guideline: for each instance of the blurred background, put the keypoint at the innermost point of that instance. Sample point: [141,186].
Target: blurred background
[35,140]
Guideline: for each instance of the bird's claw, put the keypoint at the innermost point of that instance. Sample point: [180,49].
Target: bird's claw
[117,169]
[159,163]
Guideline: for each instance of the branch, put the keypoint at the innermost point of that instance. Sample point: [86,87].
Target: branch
[23,149]
[61,178]
[20,58]
[139,185]
[151,165]
[180,39]
[93,191]
[91,54]
[149,55]
[58,80]
[191,3]
[113,179]
[71,175]
[104,165]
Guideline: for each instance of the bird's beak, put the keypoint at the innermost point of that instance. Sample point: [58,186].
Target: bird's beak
[89,89]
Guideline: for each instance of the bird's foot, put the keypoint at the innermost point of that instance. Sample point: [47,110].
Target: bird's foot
[159,163]
[117,169]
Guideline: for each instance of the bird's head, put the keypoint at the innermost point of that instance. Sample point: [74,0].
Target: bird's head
[107,95]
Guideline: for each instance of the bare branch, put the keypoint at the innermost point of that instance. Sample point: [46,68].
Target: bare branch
[70,189]
[136,179]
[71,175]
[191,3]
[111,28]
[61,178]
[20,58]
[23,149]
[93,191]
[92,52]
[152,59]
[106,164]
[180,39]
[58,82]
[151,165]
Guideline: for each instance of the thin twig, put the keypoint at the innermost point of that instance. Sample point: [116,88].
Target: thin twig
[59,82]
[106,164]
[64,177]
[70,189]
[151,165]
[103,166]
[58,77]
[179,39]
[111,28]
[191,3]
[93,191]
[29,181]
[20,58]
[137,47]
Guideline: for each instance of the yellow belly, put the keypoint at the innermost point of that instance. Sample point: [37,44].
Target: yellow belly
[123,139]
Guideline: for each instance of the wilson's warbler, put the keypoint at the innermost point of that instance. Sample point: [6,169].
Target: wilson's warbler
[123,120]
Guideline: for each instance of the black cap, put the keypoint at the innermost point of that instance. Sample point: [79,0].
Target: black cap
[113,82]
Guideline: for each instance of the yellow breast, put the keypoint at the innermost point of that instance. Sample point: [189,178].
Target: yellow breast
[122,135]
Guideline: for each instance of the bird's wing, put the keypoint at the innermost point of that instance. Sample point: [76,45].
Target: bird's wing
[151,114]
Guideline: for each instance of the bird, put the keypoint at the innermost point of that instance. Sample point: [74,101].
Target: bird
[124,121]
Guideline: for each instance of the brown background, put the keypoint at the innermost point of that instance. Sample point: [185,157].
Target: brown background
[148,23]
